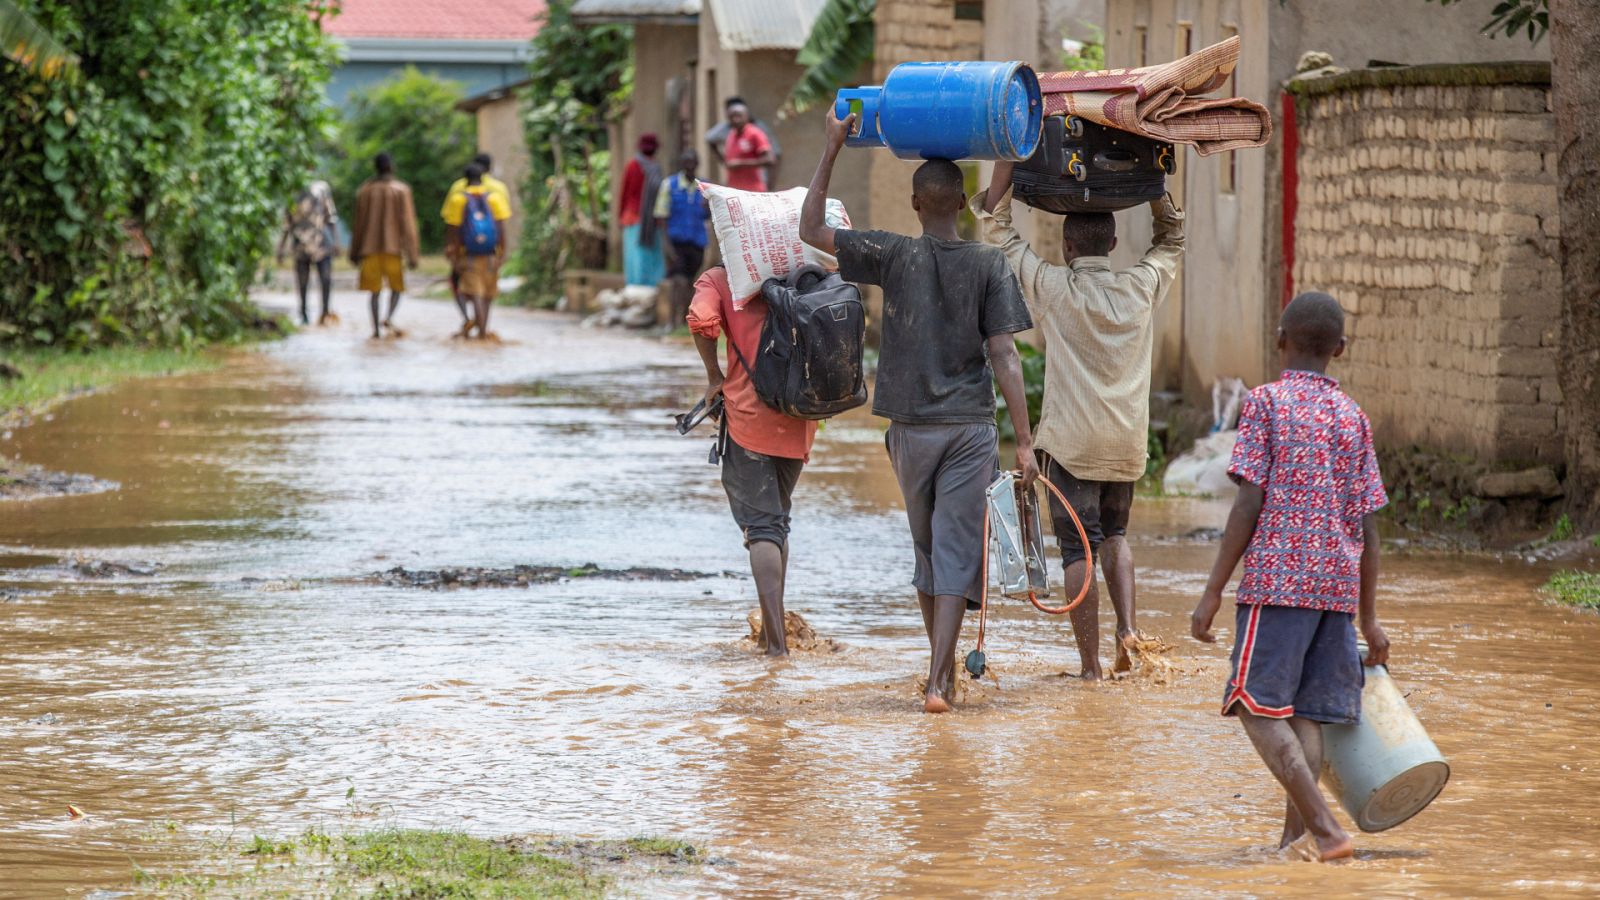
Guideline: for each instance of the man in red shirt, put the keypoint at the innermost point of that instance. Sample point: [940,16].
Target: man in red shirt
[747,152]
[765,450]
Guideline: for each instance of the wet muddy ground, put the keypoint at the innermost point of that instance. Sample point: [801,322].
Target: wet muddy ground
[219,644]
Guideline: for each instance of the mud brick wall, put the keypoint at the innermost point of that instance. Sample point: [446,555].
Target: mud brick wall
[1429,210]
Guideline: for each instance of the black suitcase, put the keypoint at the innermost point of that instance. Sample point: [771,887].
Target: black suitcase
[1083,166]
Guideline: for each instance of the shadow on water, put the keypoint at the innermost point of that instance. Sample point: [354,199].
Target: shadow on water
[255,673]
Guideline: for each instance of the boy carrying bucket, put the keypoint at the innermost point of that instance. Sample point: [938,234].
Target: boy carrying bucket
[1303,522]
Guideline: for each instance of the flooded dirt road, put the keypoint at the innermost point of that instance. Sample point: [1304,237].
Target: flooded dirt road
[244,673]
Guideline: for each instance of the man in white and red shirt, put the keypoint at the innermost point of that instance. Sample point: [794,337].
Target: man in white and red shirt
[765,450]
[1303,522]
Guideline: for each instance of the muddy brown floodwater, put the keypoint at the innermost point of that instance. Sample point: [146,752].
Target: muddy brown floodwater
[241,668]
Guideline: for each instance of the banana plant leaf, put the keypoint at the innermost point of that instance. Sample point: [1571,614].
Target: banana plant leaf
[841,40]
[29,45]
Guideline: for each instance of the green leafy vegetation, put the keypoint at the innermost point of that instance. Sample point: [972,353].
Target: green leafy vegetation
[1564,530]
[140,197]
[412,116]
[1575,588]
[1091,56]
[1512,16]
[580,80]
[47,375]
[840,43]
[1033,384]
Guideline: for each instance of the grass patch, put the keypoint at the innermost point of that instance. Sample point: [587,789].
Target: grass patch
[418,863]
[1581,589]
[408,863]
[662,846]
[49,376]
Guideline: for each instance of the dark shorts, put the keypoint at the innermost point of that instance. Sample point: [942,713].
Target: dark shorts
[1103,506]
[758,488]
[687,260]
[944,471]
[1295,662]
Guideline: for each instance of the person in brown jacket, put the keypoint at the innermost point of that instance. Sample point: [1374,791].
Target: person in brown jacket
[385,229]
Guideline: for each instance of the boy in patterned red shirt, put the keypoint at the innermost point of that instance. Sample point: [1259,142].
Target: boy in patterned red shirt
[1303,522]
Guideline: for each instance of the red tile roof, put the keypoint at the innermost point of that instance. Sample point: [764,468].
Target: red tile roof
[437,19]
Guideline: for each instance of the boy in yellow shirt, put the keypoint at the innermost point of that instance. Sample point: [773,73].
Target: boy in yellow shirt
[459,186]
[475,242]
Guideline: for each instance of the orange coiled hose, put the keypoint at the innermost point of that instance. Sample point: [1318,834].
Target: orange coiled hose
[1088,566]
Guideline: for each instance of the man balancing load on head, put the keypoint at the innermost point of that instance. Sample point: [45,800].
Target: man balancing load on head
[1094,427]
[950,308]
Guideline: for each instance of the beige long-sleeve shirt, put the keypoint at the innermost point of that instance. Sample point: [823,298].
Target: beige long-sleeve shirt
[1098,326]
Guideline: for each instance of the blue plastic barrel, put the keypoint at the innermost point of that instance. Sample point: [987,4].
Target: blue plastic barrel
[949,110]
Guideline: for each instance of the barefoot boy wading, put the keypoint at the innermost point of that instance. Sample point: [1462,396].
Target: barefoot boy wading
[475,242]
[1095,422]
[385,229]
[1303,522]
[949,309]
[765,450]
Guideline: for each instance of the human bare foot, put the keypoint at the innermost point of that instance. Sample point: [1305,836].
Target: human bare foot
[1125,643]
[933,703]
[1088,673]
[1336,846]
[1311,848]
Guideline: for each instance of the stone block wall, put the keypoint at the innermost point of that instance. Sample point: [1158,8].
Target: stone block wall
[1429,211]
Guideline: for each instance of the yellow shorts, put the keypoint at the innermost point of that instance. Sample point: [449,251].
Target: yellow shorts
[480,277]
[377,268]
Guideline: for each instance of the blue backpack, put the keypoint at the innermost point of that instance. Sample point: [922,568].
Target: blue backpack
[480,233]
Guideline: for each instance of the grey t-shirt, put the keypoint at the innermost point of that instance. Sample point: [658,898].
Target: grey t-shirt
[941,301]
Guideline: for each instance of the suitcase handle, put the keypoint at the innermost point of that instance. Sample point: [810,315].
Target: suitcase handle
[1116,160]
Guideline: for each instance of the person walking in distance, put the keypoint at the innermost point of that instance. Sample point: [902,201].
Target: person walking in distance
[681,214]
[475,242]
[311,230]
[385,231]
[496,187]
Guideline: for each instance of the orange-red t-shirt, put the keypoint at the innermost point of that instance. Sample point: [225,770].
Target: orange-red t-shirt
[751,143]
[752,424]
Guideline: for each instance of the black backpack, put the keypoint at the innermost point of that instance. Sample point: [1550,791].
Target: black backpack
[1082,166]
[809,364]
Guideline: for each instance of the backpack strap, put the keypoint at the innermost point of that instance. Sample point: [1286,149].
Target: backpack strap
[739,353]
[805,277]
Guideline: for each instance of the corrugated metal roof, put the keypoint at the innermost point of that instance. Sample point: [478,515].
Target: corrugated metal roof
[763,24]
[620,10]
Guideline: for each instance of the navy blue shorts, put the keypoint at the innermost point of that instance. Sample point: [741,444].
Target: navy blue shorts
[1295,662]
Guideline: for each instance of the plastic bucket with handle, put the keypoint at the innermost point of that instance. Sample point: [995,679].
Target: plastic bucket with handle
[949,110]
[1385,769]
